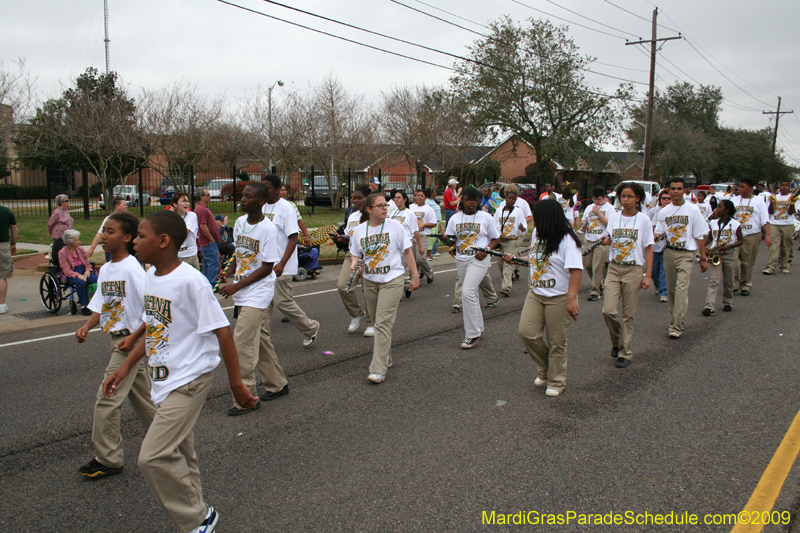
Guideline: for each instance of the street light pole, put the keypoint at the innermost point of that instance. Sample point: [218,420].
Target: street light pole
[279,83]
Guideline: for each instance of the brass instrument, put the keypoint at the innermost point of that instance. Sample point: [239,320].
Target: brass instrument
[569,189]
[354,275]
[713,256]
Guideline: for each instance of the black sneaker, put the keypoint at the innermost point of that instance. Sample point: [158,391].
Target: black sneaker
[745,292]
[469,343]
[408,293]
[623,363]
[708,312]
[494,303]
[95,470]
[85,311]
[430,279]
[235,411]
[614,352]
[727,308]
[593,297]
[267,396]
[456,309]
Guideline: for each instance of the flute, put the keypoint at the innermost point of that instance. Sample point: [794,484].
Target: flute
[515,260]
[353,275]
[224,268]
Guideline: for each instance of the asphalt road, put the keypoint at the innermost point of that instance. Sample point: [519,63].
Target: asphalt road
[690,426]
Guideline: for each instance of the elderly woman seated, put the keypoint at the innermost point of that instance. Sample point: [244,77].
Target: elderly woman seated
[76,267]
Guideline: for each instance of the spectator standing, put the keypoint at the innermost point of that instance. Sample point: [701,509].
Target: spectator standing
[8,247]
[433,248]
[452,197]
[207,236]
[60,221]
[120,205]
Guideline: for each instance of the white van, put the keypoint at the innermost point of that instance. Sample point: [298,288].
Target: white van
[651,190]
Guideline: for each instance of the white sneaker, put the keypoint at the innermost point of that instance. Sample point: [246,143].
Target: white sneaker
[308,341]
[356,323]
[663,299]
[3,309]
[539,382]
[674,334]
[376,378]
[210,523]
[369,332]
[552,392]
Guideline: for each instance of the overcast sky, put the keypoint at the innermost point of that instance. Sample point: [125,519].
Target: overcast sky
[225,49]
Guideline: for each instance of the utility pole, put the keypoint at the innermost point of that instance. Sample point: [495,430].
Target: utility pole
[106,40]
[648,130]
[777,114]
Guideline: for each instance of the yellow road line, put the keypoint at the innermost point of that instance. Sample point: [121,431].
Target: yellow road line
[771,482]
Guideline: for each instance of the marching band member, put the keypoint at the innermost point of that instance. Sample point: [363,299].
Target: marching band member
[426,219]
[595,220]
[552,302]
[350,299]
[659,278]
[630,234]
[685,230]
[381,242]
[724,237]
[511,224]
[751,212]
[705,208]
[408,220]
[471,228]
[781,208]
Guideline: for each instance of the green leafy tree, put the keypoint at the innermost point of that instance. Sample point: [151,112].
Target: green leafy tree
[94,123]
[529,81]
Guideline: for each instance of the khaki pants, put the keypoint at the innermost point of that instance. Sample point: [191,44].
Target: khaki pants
[748,253]
[106,437]
[472,273]
[678,270]
[167,458]
[541,315]
[781,248]
[486,288]
[256,351]
[284,301]
[725,270]
[350,300]
[423,267]
[623,283]
[595,264]
[510,246]
[192,260]
[382,302]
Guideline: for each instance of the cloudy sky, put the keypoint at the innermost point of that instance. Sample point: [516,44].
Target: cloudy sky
[750,49]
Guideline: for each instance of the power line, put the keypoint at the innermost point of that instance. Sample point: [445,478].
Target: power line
[639,16]
[591,19]
[573,22]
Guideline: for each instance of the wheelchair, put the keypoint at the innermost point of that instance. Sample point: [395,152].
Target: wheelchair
[55,289]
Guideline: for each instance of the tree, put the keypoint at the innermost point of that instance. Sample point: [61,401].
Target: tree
[17,94]
[94,123]
[529,81]
[747,153]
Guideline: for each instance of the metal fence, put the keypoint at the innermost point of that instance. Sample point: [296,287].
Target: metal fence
[31,193]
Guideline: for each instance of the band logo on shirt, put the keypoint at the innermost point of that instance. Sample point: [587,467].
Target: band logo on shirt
[467,233]
[113,288]
[676,229]
[159,317]
[270,216]
[352,227]
[623,242]
[743,214]
[247,250]
[594,225]
[540,265]
[780,210]
[376,249]
[508,226]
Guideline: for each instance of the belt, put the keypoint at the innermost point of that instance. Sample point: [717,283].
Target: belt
[679,249]
[121,333]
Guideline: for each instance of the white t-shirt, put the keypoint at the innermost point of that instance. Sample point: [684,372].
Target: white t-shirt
[425,215]
[728,235]
[569,210]
[682,225]
[353,221]
[751,213]
[189,246]
[652,214]
[472,230]
[120,296]
[255,245]
[284,216]
[508,222]
[629,238]
[181,314]
[596,230]
[549,276]
[103,225]
[407,219]
[780,213]
[524,206]
[382,248]
[705,209]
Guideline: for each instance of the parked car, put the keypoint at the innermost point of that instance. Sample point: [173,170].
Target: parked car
[130,193]
[165,198]
[320,194]
[215,187]
[651,190]
[172,181]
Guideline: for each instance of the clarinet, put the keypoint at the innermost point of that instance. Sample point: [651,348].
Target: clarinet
[591,248]
[353,275]
[224,268]
[515,260]
[440,236]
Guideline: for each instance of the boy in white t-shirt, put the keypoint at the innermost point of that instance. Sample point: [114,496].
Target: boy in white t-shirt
[254,287]
[781,223]
[186,331]
[595,220]
[511,223]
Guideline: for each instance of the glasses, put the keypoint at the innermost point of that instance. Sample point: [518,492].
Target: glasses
[380,206]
